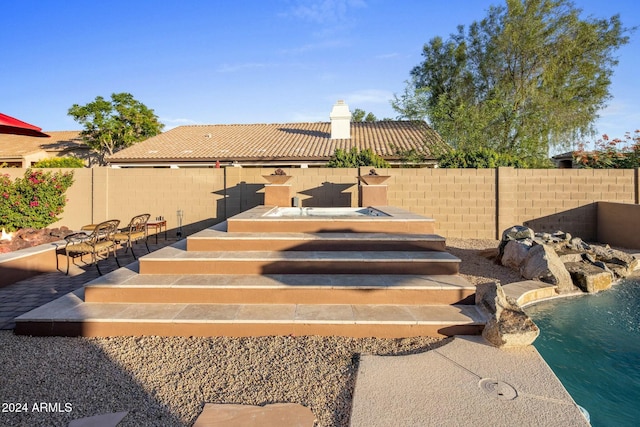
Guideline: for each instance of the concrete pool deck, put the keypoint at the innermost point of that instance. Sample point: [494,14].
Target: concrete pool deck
[465,382]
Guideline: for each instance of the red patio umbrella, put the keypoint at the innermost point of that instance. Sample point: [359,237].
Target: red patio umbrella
[14,126]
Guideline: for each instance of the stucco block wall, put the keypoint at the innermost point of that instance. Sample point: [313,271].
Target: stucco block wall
[465,203]
[619,224]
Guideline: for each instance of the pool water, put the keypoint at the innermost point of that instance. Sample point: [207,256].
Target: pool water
[592,343]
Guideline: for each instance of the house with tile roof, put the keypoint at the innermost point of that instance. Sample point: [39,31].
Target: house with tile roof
[279,144]
[23,151]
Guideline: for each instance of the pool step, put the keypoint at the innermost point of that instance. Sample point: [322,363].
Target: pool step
[218,239]
[282,289]
[71,316]
[174,260]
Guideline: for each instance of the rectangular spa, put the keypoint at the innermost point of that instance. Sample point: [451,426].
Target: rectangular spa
[372,219]
[323,212]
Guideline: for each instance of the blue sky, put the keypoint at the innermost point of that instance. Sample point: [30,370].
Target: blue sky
[271,61]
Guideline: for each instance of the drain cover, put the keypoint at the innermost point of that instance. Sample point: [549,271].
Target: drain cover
[498,389]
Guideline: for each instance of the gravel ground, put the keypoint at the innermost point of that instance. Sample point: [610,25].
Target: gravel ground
[166,381]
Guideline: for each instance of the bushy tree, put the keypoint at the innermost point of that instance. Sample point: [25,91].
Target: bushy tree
[530,75]
[355,158]
[359,115]
[617,153]
[60,162]
[112,125]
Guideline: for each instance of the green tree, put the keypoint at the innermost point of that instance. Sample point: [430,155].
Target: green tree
[354,158]
[110,126]
[359,115]
[530,75]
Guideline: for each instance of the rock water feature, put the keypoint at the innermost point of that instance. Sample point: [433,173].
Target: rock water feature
[563,260]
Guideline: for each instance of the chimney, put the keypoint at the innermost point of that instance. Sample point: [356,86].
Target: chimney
[340,121]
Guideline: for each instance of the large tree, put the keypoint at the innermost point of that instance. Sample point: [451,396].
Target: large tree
[530,75]
[110,126]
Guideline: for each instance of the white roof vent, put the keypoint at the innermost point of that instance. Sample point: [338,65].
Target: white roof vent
[340,121]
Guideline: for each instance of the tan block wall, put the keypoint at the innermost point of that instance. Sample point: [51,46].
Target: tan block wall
[565,199]
[467,203]
[619,225]
[462,201]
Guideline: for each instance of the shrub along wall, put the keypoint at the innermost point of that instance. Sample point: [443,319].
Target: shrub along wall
[468,203]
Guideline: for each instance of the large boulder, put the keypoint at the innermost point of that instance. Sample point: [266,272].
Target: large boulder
[517,232]
[515,252]
[507,325]
[542,263]
[588,277]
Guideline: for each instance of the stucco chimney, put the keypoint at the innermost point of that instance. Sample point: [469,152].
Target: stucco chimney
[340,121]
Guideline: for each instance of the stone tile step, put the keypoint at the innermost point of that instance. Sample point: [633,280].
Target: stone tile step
[71,316]
[282,289]
[218,239]
[173,260]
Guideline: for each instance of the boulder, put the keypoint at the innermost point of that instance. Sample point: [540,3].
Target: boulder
[542,263]
[614,256]
[517,232]
[507,325]
[515,252]
[588,277]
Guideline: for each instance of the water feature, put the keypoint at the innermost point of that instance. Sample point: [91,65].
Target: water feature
[592,343]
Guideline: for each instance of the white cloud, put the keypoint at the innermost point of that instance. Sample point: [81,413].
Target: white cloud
[325,11]
[365,96]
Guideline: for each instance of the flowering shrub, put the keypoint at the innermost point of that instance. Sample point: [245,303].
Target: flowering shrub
[618,153]
[34,201]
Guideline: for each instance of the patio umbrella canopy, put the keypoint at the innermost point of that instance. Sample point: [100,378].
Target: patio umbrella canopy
[14,126]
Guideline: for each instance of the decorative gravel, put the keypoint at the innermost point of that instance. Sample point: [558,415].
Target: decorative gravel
[166,381]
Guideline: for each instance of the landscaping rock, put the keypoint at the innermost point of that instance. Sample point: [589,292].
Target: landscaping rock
[588,277]
[517,232]
[507,325]
[542,263]
[515,252]
[614,256]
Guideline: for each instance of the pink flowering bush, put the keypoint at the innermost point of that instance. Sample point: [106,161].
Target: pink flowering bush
[618,153]
[34,201]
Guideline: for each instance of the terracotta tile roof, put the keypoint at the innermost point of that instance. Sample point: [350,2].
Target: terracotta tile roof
[263,142]
[16,146]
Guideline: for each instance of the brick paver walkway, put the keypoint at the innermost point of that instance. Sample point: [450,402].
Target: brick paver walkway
[25,295]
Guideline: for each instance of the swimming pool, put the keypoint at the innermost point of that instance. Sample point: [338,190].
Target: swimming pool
[592,343]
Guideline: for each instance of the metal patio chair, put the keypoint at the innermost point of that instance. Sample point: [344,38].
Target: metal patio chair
[99,242]
[134,232]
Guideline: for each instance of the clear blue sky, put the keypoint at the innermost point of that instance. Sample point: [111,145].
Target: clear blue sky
[271,61]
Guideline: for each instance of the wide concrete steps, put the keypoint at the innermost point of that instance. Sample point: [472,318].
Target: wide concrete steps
[218,239]
[72,316]
[282,289]
[175,260]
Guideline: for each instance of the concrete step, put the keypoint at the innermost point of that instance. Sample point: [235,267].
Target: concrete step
[217,239]
[71,316]
[282,289]
[175,260]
